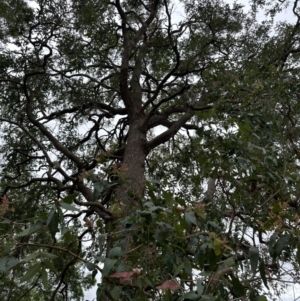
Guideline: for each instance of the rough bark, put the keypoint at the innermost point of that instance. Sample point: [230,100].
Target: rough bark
[132,171]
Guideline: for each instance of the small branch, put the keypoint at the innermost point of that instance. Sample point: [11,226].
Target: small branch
[171,132]
[54,248]
[93,204]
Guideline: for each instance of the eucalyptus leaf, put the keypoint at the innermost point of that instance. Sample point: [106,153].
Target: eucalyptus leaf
[108,265]
[70,198]
[281,243]
[190,217]
[90,266]
[115,252]
[33,270]
[8,263]
[254,258]
[262,270]
[69,207]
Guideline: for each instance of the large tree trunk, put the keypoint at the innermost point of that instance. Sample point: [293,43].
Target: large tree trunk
[132,170]
[130,190]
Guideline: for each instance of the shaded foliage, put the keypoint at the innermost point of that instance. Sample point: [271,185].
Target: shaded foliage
[154,154]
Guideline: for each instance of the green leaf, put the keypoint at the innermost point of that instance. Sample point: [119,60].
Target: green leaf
[191,296]
[31,272]
[276,208]
[212,259]
[152,195]
[168,197]
[64,230]
[36,227]
[5,221]
[108,294]
[70,198]
[50,216]
[115,294]
[53,224]
[254,257]
[181,202]
[68,207]
[147,215]
[8,263]
[99,258]
[229,262]
[24,232]
[272,242]
[217,247]
[48,255]
[199,258]
[102,240]
[183,224]
[115,252]
[44,276]
[98,189]
[90,266]
[31,256]
[60,214]
[298,253]
[108,265]
[94,273]
[262,270]
[100,293]
[200,287]
[281,243]
[49,265]
[67,237]
[260,298]
[238,287]
[190,217]
[99,223]
[207,298]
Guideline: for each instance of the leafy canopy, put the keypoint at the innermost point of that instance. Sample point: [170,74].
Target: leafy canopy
[149,146]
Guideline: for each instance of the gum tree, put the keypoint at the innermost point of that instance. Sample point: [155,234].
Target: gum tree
[150,144]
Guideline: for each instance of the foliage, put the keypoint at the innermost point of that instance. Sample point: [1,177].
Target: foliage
[154,153]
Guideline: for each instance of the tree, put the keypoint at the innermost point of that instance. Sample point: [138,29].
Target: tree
[160,152]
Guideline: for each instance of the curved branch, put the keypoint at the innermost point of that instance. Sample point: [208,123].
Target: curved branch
[168,134]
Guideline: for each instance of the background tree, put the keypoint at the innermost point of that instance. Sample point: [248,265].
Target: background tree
[161,152]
